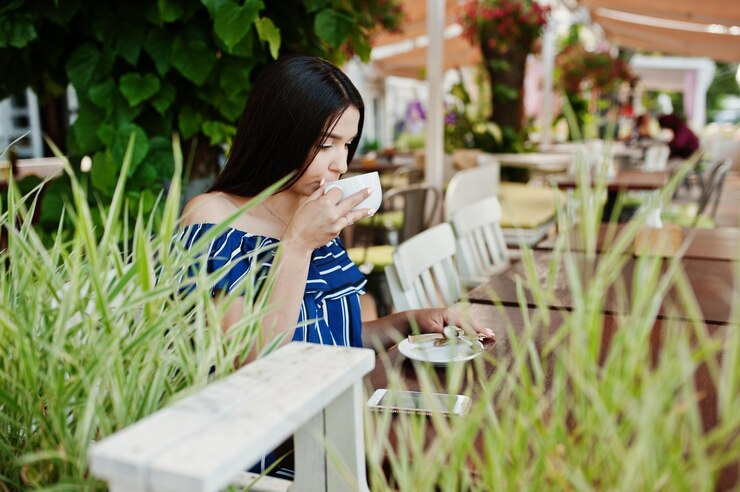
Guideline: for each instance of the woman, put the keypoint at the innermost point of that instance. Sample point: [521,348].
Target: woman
[304,116]
[684,141]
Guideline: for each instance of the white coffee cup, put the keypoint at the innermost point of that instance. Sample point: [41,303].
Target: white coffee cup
[351,185]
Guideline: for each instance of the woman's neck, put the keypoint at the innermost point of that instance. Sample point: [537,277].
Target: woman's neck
[281,206]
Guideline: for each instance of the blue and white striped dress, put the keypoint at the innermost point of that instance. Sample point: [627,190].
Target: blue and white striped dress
[330,311]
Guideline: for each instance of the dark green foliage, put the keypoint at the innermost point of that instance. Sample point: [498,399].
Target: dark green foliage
[153,68]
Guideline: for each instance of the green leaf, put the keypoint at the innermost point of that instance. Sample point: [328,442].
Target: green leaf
[145,176]
[218,132]
[213,5]
[505,92]
[103,94]
[333,27]
[361,46]
[85,129]
[121,141]
[17,30]
[159,46]
[160,157]
[189,121]
[169,10]
[498,65]
[62,14]
[164,97]
[314,5]
[193,59]
[267,31]
[56,193]
[232,22]
[235,76]
[129,41]
[82,65]
[147,200]
[137,88]
[104,173]
[106,133]
[229,104]
[104,27]
[245,46]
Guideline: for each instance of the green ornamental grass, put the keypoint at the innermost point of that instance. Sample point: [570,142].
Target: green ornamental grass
[94,335]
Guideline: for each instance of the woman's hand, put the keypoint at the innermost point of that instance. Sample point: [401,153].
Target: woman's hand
[434,320]
[321,217]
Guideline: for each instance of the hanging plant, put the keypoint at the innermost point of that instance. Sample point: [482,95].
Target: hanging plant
[582,74]
[505,31]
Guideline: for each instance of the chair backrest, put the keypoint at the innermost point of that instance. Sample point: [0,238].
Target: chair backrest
[656,157]
[470,185]
[712,191]
[419,203]
[425,272]
[481,247]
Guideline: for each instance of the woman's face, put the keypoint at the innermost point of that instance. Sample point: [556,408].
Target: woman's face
[331,160]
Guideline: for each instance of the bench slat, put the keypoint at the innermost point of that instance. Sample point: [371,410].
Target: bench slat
[204,440]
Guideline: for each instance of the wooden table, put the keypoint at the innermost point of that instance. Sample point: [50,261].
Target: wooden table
[722,244]
[545,162]
[712,283]
[499,356]
[626,179]
[381,163]
[41,167]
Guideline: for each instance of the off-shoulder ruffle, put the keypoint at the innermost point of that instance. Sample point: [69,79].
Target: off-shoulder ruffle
[331,273]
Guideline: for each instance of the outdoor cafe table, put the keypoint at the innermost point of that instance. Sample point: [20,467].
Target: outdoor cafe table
[624,180]
[498,318]
[544,162]
[711,281]
[722,244]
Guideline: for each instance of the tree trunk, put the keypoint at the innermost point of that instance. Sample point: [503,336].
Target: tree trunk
[507,88]
[55,121]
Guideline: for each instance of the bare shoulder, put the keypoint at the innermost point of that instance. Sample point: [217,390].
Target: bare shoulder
[207,208]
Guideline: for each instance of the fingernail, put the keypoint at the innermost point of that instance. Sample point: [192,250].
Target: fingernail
[321,183]
[368,191]
[370,211]
[490,333]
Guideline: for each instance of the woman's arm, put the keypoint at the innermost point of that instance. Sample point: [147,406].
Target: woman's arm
[317,220]
[386,331]
[290,269]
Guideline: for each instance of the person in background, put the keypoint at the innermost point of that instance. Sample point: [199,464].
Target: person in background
[684,141]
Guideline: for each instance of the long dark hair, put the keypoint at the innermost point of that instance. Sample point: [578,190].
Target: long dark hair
[293,105]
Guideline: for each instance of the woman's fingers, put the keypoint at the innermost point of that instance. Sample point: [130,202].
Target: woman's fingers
[344,205]
[454,317]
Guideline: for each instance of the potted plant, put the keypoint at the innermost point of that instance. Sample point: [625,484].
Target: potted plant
[582,73]
[505,31]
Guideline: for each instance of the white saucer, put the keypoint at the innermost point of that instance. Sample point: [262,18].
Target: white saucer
[439,356]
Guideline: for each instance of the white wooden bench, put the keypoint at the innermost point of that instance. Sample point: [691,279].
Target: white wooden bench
[205,441]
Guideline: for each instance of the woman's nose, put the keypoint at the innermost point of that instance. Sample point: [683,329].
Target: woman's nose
[339,163]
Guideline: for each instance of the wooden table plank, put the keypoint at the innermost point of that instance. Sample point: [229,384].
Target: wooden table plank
[499,356]
[712,282]
[626,179]
[721,244]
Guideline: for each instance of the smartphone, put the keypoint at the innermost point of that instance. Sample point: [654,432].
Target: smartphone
[416,402]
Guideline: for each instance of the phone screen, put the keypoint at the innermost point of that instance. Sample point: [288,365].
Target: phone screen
[416,401]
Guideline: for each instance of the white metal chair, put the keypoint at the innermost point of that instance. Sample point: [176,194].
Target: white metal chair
[470,185]
[424,273]
[656,157]
[481,247]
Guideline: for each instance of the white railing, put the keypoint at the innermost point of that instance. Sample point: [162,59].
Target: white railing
[205,441]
